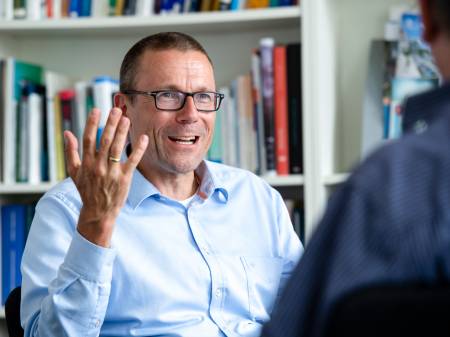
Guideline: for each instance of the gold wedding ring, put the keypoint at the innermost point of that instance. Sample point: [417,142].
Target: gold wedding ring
[114,159]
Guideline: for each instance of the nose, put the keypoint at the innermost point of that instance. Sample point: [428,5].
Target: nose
[189,113]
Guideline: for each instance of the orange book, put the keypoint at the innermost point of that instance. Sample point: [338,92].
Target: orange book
[64,8]
[258,3]
[281,110]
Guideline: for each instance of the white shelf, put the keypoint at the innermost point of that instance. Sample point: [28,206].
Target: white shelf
[25,188]
[335,179]
[290,180]
[226,21]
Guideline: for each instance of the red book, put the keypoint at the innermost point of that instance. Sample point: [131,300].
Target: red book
[50,8]
[281,110]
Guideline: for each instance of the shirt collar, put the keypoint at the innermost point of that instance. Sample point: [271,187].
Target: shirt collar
[210,184]
[140,189]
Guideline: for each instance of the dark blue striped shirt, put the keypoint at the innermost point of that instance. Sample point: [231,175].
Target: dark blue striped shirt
[388,224]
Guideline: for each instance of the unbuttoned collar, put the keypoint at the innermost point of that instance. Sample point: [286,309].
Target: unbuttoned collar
[210,184]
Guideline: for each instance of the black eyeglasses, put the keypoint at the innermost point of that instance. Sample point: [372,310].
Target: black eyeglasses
[171,100]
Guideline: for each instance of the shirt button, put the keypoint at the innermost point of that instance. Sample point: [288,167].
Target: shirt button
[218,292]
[97,323]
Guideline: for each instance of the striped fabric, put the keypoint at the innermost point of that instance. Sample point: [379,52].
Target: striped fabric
[388,224]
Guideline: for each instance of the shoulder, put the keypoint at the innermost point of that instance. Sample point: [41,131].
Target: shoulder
[233,179]
[407,169]
[233,175]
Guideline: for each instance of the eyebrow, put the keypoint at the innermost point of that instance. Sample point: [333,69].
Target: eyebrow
[175,88]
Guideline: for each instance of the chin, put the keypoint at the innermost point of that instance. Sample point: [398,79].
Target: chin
[182,167]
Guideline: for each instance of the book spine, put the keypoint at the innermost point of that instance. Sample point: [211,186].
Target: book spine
[13,242]
[35,146]
[9,140]
[281,111]
[258,112]
[266,49]
[20,9]
[295,108]
[104,88]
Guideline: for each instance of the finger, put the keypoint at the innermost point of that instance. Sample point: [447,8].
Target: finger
[90,134]
[108,134]
[120,138]
[137,153]
[72,156]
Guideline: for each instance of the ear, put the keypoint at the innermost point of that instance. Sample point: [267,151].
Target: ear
[430,25]
[120,101]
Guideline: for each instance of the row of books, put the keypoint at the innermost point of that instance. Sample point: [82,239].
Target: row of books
[401,65]
[37,105]
[15,224]
[54,9]
[259,125]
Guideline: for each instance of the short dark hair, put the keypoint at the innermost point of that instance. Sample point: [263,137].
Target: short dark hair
[157,42]
[442,13]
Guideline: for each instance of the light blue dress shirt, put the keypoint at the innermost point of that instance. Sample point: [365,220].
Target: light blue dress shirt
[213,268]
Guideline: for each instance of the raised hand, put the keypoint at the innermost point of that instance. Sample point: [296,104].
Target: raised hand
[102,180]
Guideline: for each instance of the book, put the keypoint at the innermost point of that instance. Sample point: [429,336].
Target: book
[294,90]
[15,73]
[215,152]
[246,129]
[266,50]
[281,110]
[258,111]
[13,243]
[2,122]
[54,83]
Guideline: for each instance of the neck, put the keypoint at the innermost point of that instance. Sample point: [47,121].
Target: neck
[174,186]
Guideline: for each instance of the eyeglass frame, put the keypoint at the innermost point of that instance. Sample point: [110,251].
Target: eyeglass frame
[186,95]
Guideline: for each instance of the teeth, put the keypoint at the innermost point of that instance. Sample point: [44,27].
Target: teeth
[186,140]
[191,138]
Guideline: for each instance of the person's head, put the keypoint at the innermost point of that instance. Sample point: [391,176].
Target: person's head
[436,20]
[179,136]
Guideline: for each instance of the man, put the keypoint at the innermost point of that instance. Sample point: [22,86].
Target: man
[390,222]
[180,246]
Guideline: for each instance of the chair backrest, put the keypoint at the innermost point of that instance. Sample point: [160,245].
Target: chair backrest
[392,311]
[12,313]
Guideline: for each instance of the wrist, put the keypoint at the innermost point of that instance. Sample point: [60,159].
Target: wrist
[96,227]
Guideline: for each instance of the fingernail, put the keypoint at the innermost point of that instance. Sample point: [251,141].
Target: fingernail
[115,111]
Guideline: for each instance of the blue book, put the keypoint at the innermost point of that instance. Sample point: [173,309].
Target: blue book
[13,244]
[85,7]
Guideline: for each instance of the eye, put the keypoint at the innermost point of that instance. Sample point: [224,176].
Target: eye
[169,95]
[204,97]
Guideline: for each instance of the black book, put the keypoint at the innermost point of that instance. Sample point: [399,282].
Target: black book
[294,86]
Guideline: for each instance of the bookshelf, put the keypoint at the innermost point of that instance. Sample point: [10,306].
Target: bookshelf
[335,36]
[334,74]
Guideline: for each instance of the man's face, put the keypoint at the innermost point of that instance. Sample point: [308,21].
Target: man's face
[171,149]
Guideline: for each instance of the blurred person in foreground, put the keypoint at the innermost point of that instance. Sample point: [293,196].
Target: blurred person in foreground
[390,221]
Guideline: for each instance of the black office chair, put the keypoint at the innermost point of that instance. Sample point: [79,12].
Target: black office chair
[12,313]
[392,311]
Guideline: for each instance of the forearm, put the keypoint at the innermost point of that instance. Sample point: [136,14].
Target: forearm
[75,302]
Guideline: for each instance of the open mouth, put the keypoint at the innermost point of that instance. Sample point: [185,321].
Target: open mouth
[186,140]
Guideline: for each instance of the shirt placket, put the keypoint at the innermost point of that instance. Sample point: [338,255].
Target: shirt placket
[218,283]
